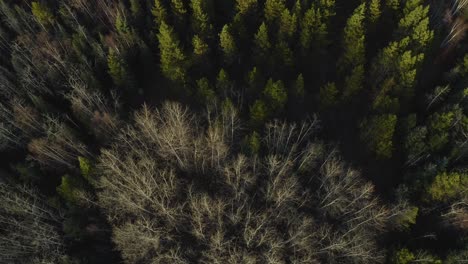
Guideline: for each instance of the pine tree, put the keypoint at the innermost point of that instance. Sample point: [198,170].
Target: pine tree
[223,83]
[42,13]
[258,113]
[246,6]
[374,11]
[200,47]
[315,24]
[273,9]
[353,59]
[173,60]
[227,43]
[298,89]
[378,132]
[288,24]
[328,96]
[276,95]
[201,17]
[262,42]
[117,68]
[159,12]
[205,93]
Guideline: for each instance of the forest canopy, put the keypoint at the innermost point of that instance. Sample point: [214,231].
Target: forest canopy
[234,131]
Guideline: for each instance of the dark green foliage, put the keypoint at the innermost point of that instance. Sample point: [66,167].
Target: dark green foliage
[377,133]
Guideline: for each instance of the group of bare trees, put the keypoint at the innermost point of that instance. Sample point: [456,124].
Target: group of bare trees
[176,189]
[29,227]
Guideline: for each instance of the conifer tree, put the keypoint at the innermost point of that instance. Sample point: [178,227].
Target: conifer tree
[262,44]
[352,61]
[173,60]
[246,6]
[201,14]
[276,95]
[117,68]
[227,43]
[288,24]
[374,11]
[159,12]
[42,13]
[273,9]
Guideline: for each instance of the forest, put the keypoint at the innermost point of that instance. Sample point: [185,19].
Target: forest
[233,131]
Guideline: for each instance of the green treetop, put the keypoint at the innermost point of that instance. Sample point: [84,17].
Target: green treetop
[201,17]
[261,40]
[159,12]
[378,132]
[374,11]
[227,43]
[42,13]
[173,60]
[245,6]
[288,24]
[447,186]
[273,9]
[276,95]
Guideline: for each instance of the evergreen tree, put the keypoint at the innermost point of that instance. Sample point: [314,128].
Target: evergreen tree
[173,60]
[378,132]
[353,59]
[201,14]
[227,43]
[288,24]
[273,9]
[276,95]
[258,113]
[374,11]
[246,6]
[118,69]
[42,13]
[328,96]
[262,45]
[159,12]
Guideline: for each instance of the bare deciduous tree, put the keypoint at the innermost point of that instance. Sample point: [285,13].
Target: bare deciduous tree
[178,184]
[29,228]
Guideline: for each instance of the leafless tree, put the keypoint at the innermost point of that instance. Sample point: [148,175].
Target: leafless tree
[59,147]
[174,175]
[28,227]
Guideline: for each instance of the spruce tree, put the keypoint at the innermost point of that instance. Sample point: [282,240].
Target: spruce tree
[173,60]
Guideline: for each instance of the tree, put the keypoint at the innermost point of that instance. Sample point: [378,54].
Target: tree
[353,58]
[447,186]
[276,95]
[273,9]
[298,88]
[205,93]
[159,12]
[403,256]
[328,95]
[315,25]
[42,13]
[173,60]
[30,227]
[227,44]
[178,10]
[245,6]
[118,69]
[288,25]
[201,16]
[262,41]
[374,11]
[378,132]
[258,113]
[147,191]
